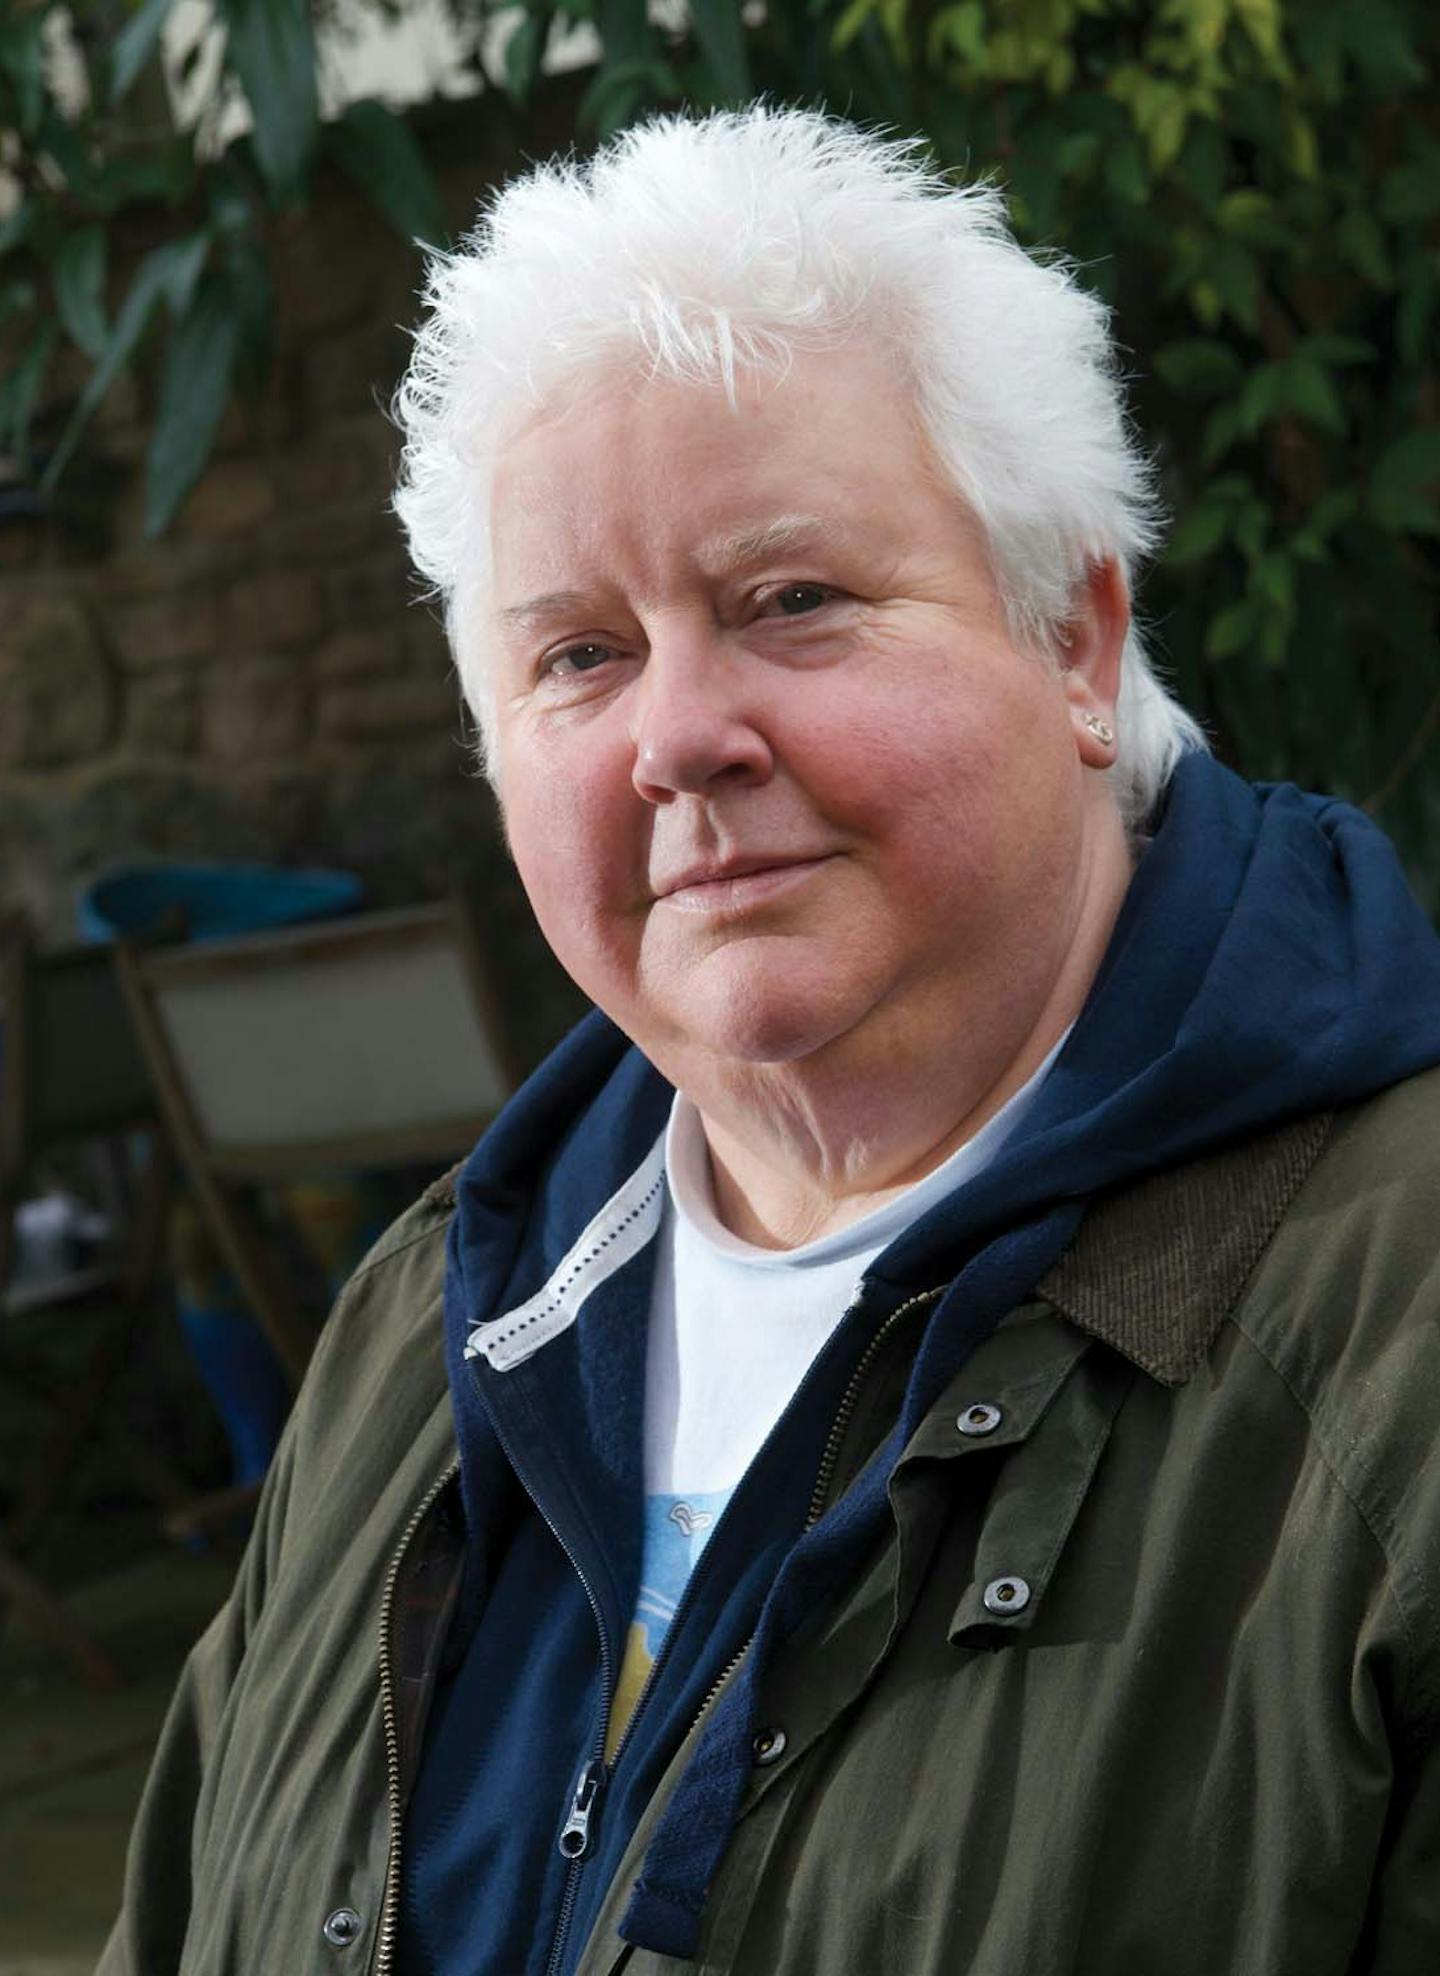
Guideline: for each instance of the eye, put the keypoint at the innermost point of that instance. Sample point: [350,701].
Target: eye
[798,599]
[573,659]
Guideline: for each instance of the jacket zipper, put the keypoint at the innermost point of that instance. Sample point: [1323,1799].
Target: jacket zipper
[825,1474]
[574,1840]
[385,1937]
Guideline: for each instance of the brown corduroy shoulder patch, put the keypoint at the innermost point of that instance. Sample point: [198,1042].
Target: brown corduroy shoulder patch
[1156,1267]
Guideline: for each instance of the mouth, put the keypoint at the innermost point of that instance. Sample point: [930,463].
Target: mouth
[738,882]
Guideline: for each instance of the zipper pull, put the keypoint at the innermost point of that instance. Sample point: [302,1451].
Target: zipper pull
[575,1838]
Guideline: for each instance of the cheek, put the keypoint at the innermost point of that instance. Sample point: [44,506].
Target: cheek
[566,828]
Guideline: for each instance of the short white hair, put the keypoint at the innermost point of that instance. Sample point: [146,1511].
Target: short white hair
[692,249]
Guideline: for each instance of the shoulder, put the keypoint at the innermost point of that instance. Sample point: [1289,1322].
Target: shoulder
[1345,1306]
[381,1354]
[1351,1276]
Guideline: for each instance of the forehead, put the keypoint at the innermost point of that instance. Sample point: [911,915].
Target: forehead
[623,465]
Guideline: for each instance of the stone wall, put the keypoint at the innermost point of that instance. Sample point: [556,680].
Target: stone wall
[261,683]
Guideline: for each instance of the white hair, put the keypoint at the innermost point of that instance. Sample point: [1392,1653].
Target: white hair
[693,249]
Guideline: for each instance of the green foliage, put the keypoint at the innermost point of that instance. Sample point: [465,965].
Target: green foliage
[1253,184]
[90,148]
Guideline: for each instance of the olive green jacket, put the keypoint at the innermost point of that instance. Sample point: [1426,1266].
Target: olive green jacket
[1145,1682]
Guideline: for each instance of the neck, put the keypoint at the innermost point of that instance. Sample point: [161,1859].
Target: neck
[799,1150]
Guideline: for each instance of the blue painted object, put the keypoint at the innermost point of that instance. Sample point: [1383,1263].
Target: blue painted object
[213,901]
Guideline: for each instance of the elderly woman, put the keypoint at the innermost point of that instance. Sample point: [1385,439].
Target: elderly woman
[910,1447]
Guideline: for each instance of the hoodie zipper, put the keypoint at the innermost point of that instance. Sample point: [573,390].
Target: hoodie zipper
[385,1936]
[596,1774]
[575,1834]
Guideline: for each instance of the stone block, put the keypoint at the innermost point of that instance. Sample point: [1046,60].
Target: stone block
[357,655]
[162,713]
[373,709]
[57,686]
[184,624]
[232,498]
[255,710]
[139,569]
[367,593]
[327,266]
[278,610]
[330,536]
[351,460]
[426,645]
[353,373]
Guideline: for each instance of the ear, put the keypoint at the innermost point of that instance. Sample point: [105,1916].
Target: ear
[1091,645]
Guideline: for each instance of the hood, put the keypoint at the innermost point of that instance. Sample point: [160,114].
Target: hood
[1269,961]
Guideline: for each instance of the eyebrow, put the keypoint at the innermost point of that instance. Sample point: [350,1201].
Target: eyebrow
[738,549]
[771,538]
[537,610]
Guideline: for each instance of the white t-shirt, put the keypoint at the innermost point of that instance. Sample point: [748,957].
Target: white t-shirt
[733,1330]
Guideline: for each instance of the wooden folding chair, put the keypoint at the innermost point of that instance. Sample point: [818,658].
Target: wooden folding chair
[347,1045]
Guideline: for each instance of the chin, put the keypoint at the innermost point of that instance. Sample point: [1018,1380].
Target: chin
[766,1023]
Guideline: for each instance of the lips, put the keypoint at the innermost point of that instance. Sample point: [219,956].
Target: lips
[732,886]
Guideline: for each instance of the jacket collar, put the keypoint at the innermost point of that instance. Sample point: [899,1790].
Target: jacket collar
[1157,1266]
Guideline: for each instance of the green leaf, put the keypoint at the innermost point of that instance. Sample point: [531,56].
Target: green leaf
[20,390]
[625,33]
[22,61]
[79,276]
[1202,165]
[194,391]
[1236,276]
[135,44]
[1273,579]
[1223,428]
[1308,390]
[1416,308]
[960,30]
[1231,630]
[618,93]
[1250,216]
[15,227]
[167,274]
[1404,482]
[17,298]
[1125,174]
[380,152]
[1362,244]
[1409,193]
[1199,534]
[1262,397]
[1330,348]
[66,149]
[248,272]
[524,52]
[270,45]
[1199,366]
[1252,529]
[721,34]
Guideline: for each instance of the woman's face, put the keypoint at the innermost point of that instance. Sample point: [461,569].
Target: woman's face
[776,776]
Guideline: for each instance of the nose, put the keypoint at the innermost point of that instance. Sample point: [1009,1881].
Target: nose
[692,727]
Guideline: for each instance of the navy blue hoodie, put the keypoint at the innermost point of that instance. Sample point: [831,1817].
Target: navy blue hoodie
[1269,961]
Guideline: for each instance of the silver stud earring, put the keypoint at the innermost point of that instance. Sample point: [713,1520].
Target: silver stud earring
[1103,734]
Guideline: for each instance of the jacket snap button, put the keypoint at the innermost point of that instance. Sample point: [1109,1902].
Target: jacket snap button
[769,1746]
[341,1927]
[982,1418]
[1006,1595]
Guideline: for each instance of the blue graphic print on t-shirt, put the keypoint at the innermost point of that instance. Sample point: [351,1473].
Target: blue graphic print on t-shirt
[676,1531]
